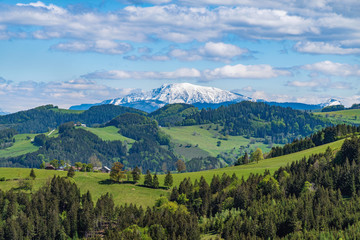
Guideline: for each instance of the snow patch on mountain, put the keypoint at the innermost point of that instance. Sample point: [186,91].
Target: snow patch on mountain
[331,102]
[181,93]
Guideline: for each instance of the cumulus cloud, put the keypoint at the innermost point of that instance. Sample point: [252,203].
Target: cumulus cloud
[226,72]
[100,46]
[245,71]
[215,51]
[211,51]
[31,94]
[182,73]
[333,69]
[319,84]
[324,48]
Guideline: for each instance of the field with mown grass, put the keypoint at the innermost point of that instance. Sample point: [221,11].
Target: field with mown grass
[109,134]
[190,140]
[22,145]
[98,183]
[349,116]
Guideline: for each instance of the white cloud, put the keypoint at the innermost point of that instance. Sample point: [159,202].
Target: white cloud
[324,48]
[214,51]
[29,94]
[100,46]
[245,71]
[226,72]
[323,84]
[182,73]
[334,69]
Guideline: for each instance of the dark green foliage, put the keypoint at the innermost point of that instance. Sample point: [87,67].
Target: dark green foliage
[355,106]
[40,140]
[333,108]
[326,135]
[173,114]
[168,181]
[32,174]
[71,172]
[136,174]
[155,181]
[43,118]
[7,138]
[59,211]
[259,120]
[203,163]
[148,181]
[302,200]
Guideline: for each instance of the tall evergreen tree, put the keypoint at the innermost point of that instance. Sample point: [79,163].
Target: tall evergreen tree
[32,174]
[168,181]
[155,182]
[148,181]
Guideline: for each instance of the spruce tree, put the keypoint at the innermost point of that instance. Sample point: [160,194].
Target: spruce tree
[155,183]
[71,172]
[32,174]
[136,172]
[168,182]
[148,181]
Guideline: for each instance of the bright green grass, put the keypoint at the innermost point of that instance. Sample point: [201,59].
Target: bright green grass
[67,111]
[351,116]
[129,193]
[244,170]
[207,139]
[21,146]
[122,193]
[109,134]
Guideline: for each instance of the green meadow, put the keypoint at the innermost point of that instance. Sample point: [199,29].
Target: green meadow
[109,134]
[203,139]
[21,146]
[98,183]
[350,116]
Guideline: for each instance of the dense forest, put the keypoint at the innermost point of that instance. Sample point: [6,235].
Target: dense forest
[314,198]
[7,138]
[59,211]
[78,145]
[326,135]
[44,118]
[173,114]
[260,120]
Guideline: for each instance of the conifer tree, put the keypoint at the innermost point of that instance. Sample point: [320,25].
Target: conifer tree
[32,174]
[155,182]
[71,172]
[148,181]
[168,182]
[136,173]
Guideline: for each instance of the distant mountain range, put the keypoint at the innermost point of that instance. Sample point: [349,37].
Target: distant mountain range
[3,113]
[199,96]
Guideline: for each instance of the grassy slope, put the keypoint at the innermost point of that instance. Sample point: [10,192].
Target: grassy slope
[109,134]
[127,193]
[94,182]
[67,111]
[21,146]
[351,116]
[244,170]
[207,139]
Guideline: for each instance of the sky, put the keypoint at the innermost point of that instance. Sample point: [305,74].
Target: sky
[72,52]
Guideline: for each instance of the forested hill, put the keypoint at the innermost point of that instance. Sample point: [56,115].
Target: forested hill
[259,120]
[43,118]
[173,114]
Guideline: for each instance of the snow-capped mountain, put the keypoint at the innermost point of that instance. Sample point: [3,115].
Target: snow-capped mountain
[330,102]
[174,93]
[181,93]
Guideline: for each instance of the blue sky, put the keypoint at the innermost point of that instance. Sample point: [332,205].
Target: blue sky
[72,52]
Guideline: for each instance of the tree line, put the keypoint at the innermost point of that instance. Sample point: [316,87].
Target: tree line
[326,135]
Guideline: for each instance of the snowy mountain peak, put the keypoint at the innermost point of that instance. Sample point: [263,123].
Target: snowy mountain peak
[331,102]
[181,93]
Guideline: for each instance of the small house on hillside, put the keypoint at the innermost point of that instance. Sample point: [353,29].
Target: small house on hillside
[105,169]
[50,167]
